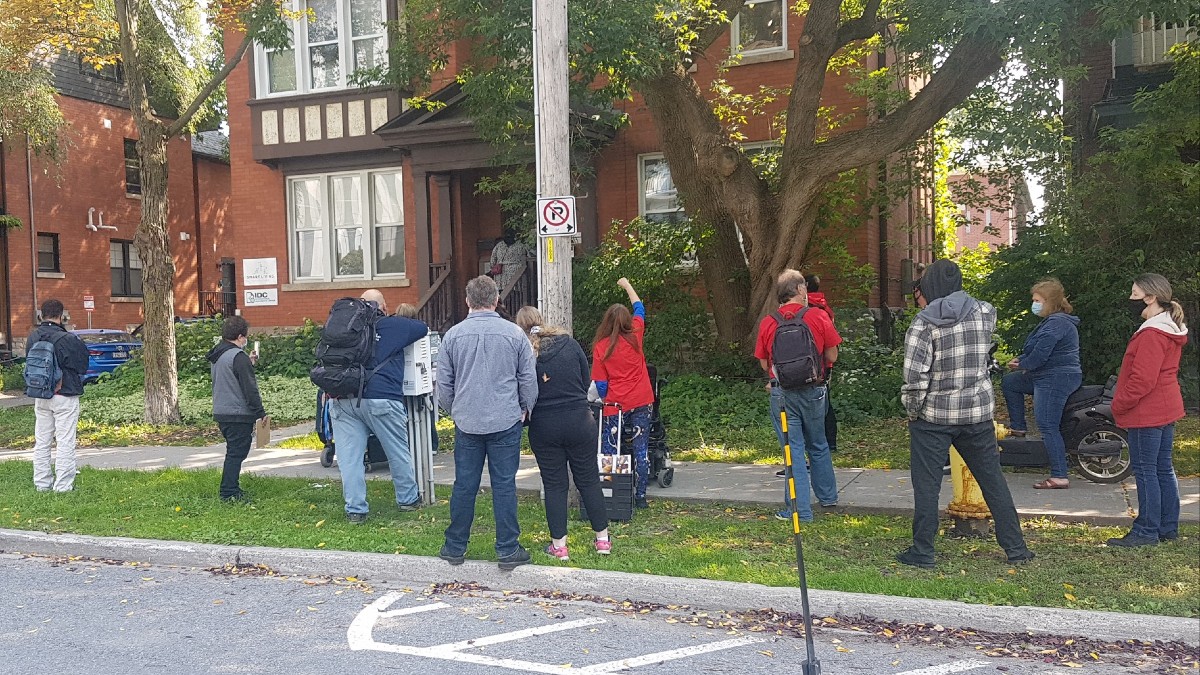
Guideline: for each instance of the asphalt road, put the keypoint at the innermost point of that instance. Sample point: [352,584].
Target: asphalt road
[64,615]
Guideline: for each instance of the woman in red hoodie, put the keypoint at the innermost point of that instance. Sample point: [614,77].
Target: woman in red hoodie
[1147,403]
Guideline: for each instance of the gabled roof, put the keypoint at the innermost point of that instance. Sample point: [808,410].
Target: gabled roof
[212,145]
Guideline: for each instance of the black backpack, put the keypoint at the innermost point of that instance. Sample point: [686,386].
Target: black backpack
[347,345]
[798,363]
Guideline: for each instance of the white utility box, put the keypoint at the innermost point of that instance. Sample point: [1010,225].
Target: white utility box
[418,368]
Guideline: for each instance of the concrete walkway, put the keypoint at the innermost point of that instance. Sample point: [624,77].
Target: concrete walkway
[861,490]
[13,400]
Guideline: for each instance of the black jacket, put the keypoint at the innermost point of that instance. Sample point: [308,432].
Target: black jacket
[72,356]
[563,376]
[235,392]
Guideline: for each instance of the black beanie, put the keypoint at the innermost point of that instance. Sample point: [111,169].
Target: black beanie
[941,278]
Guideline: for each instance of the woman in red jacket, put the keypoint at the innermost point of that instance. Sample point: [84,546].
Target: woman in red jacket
[1147,403]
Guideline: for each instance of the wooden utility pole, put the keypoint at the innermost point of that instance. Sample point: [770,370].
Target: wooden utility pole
[552,109]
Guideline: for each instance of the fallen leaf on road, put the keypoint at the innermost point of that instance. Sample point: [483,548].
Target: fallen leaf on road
[843,649]
[767,653]
[218,602]
[1072,664]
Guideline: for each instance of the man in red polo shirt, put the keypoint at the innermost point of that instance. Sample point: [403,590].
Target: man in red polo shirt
[805,406]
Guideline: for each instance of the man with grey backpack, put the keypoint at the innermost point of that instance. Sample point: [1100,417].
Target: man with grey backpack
[55,361]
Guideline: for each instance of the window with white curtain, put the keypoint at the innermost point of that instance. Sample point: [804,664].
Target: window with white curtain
[347,225]
[334,39]
[659,199]
[760,26]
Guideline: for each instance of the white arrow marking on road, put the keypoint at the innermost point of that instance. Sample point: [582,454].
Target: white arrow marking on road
[360,637]
[947,668]
[622,664]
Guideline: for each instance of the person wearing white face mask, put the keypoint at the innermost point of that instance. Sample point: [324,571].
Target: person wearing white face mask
[1048,368]
[1147,403]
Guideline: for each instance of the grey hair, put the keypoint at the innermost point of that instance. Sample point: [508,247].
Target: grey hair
[791,284]
[482,293]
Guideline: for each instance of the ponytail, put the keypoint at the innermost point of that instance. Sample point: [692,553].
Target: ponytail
[1176,311]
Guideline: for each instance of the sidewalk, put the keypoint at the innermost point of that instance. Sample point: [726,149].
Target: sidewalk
[861,490]
[13,400]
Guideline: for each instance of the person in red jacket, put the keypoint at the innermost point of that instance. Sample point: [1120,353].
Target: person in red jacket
[1147,403]
[619,371]
[817,299]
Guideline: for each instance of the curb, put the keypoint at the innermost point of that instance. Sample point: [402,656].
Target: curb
[723,595]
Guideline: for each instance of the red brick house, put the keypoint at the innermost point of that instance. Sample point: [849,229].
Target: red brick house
[78,218]
[338,188]
[988,212]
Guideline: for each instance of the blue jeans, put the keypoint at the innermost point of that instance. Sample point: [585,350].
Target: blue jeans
[352,425]
[806,434]
[503,453]
[1050,393]
[639,420]
[1157,487]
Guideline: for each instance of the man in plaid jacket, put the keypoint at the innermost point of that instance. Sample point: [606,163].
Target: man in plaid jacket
[948,395]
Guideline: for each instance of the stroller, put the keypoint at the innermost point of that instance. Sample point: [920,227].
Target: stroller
[658,453]
[374,457]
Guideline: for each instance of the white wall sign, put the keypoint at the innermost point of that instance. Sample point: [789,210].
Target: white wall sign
[261,297]
[556,216]
[259,272]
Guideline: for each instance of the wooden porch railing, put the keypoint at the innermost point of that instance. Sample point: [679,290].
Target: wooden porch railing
[436,306]
[520,291]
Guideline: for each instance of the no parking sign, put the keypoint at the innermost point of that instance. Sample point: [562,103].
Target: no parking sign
[556,216]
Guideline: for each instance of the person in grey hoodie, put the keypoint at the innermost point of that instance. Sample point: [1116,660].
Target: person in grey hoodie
[1049,369]
[948,396]
[237,404]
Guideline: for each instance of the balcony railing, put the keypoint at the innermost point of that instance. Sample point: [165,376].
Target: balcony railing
[1153,38]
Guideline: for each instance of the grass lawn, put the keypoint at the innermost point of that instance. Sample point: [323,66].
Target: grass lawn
[849,553]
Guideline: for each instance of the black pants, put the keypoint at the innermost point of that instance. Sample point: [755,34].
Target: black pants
[558,439]
[830,423]
[929,445]
[238,436]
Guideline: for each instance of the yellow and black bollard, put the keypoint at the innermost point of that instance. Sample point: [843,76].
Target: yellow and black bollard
[811,665]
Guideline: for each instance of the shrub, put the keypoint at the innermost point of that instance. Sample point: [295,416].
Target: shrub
[12,378]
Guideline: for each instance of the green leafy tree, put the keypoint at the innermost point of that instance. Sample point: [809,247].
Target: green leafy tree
[171,77]
[1133,210]
[750,226]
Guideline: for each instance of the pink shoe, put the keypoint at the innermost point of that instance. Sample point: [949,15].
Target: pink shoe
[559,552]
[603,546]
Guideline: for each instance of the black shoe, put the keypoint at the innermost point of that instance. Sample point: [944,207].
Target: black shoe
[514,560]
[782,473]
[453,559]
[356,518]
[411,506]
[641,503]
[1021,557]
[241,498]
[1170,536]
[1132,541]
[909,558]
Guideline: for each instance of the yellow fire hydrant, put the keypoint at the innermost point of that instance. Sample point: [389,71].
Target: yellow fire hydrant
[968,510]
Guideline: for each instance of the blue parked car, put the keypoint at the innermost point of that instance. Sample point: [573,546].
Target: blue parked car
[107,349]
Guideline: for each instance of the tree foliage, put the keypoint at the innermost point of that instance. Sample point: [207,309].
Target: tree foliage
[1132,211]
[998,62]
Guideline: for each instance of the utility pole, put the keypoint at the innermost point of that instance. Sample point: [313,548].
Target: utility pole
[552,109]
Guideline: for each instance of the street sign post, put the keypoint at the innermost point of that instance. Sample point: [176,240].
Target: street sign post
[89,304]
[556,216]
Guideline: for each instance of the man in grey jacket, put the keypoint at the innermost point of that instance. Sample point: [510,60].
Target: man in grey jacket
[488,384]
[236,402]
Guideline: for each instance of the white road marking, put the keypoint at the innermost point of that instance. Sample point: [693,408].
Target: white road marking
[516,635]
[413,610]
[947,668]
[659,657]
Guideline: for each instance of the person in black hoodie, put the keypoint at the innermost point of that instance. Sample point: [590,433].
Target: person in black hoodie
[562,431]
[58,416]
[236,402]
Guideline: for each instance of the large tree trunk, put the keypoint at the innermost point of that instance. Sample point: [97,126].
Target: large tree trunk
[158,281]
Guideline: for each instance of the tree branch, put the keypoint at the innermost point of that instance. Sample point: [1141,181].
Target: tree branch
[863,27]
[131,56]
[186,116]
[972,61]
[816,46]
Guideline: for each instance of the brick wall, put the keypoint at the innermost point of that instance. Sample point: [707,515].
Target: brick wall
[988,202]
[93,175]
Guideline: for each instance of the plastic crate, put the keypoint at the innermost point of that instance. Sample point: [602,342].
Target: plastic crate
[618,496]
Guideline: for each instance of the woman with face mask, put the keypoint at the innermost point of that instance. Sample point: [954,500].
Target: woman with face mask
[1147,403]
[1048,368]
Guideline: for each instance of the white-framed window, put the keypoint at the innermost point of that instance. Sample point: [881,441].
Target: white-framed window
[658,200]
[760,26]
[332,41]
[346,225]
[966,213]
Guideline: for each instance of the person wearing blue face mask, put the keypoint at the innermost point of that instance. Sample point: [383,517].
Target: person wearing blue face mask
[1048,368]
